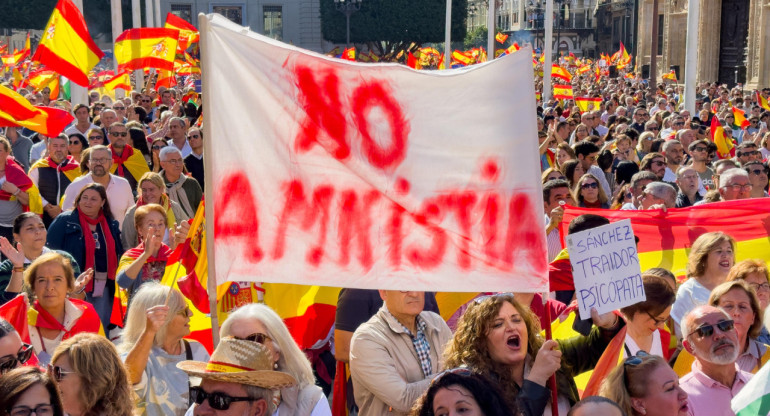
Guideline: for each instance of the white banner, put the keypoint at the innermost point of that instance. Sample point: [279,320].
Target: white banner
[334,173]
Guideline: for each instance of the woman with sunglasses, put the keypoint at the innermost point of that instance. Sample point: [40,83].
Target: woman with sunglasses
[157,145]
[461,392]
[645,385]
[50,281]
[152,190]
[152,344]
[646,320]
[13,352]
[91,377]
[710,260]
[76,145]
[551,174]
[96,137]
[91,234]
[498,337]
[260,324]
[758,178]
[29,390]
[588,193]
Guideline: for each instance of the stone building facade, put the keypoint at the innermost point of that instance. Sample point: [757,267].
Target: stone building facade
[733,40]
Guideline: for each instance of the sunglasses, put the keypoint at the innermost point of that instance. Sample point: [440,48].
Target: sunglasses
[633,361]
[157,147]
[146,101]
[592,185]
[185,312]
[119,134]
[75,142]
[480,299]
[708,330]
[9,362]
[217,401]
[700,149]
[758,172]
[95,137]
[58,373]
[257,337]
[39,410]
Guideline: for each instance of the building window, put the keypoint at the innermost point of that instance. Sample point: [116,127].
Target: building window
[233,13]
[182,10]
[272,22]
[660,34]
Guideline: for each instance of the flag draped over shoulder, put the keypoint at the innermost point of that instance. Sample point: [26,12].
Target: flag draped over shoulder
[343,178]
[66,46]
[16,110]
[665,238]
[146,47]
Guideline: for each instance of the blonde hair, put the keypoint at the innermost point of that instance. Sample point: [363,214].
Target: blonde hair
[721,290]
[154,178]
[578,197]
[743,269]
[292,360]
[144,210]
[96,361]
[150,294]
[53,257]
[703,245]
[627,381]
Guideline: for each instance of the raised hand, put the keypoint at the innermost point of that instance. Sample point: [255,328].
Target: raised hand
[547,361]
[156,317]
[15,255]
[83,280]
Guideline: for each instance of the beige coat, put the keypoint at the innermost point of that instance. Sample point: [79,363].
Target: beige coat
[386,372]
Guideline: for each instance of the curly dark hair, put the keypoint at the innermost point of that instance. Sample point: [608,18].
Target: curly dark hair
[486,394]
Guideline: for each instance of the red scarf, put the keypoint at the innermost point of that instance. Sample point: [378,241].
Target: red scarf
[45,320]
[14,174]
[137,251]
[128,151]
[112,259]
[68,164]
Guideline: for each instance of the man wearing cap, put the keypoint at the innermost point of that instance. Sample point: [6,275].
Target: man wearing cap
[395,354]
[238,380]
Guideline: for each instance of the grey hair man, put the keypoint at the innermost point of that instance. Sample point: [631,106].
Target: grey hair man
[658,195]
[177,132]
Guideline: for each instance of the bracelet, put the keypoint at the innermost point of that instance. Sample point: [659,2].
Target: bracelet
[18,190]
[18,269]
[81,290]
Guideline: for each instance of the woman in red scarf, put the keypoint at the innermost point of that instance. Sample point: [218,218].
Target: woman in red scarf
[152,190]
[49,315]
[147,261]
[92,236]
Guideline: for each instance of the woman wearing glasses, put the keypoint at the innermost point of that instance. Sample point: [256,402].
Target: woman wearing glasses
[77,144]
[151,345]
[13,352]
[151,190]
[260,324]
[645,385]
[756,274]
[645,321]
[589,193]
[27,390]
[157,145]
[460,391]
[56,316]
[499,337]
[91,377]
[711,257]
[92,236]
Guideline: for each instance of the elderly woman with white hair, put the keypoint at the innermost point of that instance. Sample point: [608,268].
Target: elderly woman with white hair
[151,346]
[183,190]
[258,323]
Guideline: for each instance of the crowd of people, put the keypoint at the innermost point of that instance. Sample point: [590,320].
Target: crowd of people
[100,207]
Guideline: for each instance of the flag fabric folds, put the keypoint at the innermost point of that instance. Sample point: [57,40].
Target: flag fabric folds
[754,397]
[762,101]
[561,73]
[122,81]
[146,48]
[16,110]
[501,37]
[588,103]
[725,146]
[66,46]
[740,118]
[562,92]
[670,76]
[188,34]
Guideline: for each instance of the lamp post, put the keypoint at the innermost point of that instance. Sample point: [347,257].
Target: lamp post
[347,7]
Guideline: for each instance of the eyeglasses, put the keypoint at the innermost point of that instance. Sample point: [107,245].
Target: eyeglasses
[185,312]
[700,149]
[654,128]
[97,244]
[118,108]
[749,153]
[96,137]
[739,188]
[101,160]
[758,172]
[760,286]
[708,330]
[493,295]
[633,361]
[175,161]
[146,101]
[39,410]
[257,337]
[195,136]
[658,322]
[58,373]
[9,363]
[119,133]
[460,371]
[217,401]
[678,124]
[592,185]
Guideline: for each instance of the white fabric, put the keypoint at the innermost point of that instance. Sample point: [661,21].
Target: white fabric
[690,294]
[36,152]
[657,346]
[295,204]
[73,129]
[118,194]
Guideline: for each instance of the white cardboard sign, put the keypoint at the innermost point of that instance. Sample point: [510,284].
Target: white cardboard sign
[605,268]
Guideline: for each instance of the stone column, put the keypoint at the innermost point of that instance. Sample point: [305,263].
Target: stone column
[643,33]
[758,57]
[708,32]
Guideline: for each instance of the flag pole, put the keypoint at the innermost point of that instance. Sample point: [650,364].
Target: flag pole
[448,36]
[547,51]
[691,55]
[78,93]
[491,30]
[208,170]
[552,379]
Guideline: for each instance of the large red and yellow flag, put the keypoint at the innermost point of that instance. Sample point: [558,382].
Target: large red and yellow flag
[66,46]
[740,118]
[561,73]
[16,110]
[146,48]
[588,103]
[725,146]
[762,101]
[17,57]
[562,92]
[188,34]
[122,81]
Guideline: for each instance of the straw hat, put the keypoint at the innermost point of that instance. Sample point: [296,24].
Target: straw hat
[241,362]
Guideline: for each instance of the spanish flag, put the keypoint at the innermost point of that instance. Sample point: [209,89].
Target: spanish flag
[513,48]
[349,54]
[122,81]
[131,160]
[561,73]
[461,57]
[562,92]
[670,76]
[66,46]
[501,37]
[588,103]
[41,78]
[16,110]
[188,34]
[762,101]
[725,146]
[146,48]
[740,118]
[21,314]
[17,57]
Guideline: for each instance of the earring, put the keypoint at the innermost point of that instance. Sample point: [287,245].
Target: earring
[275,366]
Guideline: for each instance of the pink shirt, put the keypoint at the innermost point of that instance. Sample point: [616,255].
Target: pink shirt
[706,396]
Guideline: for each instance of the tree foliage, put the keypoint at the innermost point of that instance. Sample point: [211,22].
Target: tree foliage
[389,26]
[475,38]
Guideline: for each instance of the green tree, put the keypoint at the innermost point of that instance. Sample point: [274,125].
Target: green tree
[475,38]
[390,26]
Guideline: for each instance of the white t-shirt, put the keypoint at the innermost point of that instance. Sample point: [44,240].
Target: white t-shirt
[690,294]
